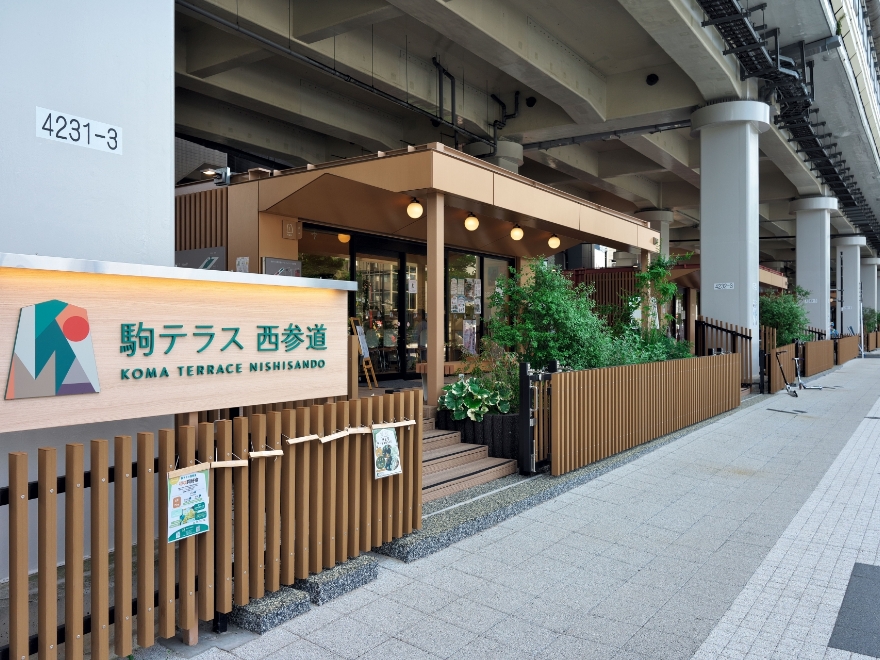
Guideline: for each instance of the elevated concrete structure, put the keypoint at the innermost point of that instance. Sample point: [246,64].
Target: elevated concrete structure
[849,283]
[729,211]
[813,253]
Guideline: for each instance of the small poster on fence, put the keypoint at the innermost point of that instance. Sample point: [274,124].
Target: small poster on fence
[386,453]
[188,505]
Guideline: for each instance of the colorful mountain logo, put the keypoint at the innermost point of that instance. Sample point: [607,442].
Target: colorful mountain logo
[53,353]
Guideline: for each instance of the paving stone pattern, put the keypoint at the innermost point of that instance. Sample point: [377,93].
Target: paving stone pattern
[645,561]
[790,606]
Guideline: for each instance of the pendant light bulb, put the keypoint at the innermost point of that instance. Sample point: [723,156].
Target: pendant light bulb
[553,242]
[343,238]
[516,233]
[471,222]
[414,210]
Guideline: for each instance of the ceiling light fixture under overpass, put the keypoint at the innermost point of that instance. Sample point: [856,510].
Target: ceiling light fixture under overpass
[553,242]
[516,233]
[471,222]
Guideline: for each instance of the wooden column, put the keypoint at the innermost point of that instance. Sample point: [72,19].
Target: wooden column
[436,289]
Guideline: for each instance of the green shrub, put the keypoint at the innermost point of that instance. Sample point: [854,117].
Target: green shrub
[870,319]
[785,312]
[496,370]
[544,317]
[468,399]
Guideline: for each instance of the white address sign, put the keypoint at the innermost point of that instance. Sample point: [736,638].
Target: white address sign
[724,286]
[78,131]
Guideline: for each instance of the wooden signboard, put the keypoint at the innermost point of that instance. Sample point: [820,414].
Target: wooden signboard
[85,341]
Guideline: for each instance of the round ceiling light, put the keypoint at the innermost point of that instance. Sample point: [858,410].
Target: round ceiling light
[516,233]
[344,238]
[471,222]
[414,210]
[553,241]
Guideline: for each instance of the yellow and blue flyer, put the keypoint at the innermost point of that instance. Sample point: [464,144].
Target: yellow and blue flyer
[188,505]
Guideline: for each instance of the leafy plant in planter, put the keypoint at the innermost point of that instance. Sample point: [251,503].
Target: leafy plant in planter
[785,311]
[467,398]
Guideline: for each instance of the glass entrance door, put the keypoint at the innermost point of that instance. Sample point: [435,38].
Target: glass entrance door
[377,306]
[415,340]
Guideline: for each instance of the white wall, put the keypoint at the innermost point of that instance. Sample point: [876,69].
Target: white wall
[106,61]
[109,62]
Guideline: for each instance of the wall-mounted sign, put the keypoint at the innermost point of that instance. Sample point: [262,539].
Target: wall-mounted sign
[137,341]
[283,267]
[204,258]
[811,301]
[723,286]
[65,128]
[291,229]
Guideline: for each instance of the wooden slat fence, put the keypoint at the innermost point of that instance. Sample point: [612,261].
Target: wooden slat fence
[786,355]
[818,356]
[600,412]
[870,341]
[847,348]
[610,284]
[714,336]
[200,219]
[274,519]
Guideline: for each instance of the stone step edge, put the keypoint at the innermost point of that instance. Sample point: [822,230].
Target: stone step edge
[278,607]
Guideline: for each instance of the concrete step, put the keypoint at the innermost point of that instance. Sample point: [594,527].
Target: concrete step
[452,456]
[428,424]
[436,438]
[429,412]
[455,479]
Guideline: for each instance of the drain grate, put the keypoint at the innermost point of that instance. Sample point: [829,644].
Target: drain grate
[790,412]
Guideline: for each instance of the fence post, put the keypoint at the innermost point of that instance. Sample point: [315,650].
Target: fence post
[526,429]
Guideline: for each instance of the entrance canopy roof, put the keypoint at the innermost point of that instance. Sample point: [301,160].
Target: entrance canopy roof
[371,194]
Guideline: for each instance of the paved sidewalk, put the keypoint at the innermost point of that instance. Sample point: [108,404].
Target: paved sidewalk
[647,561]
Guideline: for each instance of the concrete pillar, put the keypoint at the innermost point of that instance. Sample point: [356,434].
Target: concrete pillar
[435,298]
[847,251]
[660,221]
[813,246]
[869,282]
[729,211]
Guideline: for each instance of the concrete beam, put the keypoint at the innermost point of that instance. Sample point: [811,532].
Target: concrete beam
[387,65]
[782,152]
[625,161]
[209,52]
[501,33]
[312,21]
[582,163]
[675,26]
[207,118]
[271,90]
[670,149]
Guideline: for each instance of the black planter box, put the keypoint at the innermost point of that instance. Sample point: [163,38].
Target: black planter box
[497,432]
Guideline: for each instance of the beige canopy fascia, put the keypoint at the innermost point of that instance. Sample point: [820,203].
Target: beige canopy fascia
[498,197]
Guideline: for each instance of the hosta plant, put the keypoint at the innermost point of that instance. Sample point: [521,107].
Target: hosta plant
[467,398]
